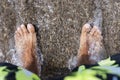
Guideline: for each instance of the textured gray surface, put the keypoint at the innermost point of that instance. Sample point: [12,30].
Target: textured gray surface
[59,24]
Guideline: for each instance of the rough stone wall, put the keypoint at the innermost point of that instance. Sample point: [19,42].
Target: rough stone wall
[111,25]
[59,24]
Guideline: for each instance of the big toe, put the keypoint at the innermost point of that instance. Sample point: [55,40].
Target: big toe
[86,28]
[31,28]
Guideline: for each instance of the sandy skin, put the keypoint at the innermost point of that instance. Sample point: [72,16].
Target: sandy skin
[25,43]
[91,45]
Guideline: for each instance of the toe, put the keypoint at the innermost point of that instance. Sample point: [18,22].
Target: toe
[93,31]
[86,28]
[31,28]
[17,33]
[98,35]
[24,29]
[16,36]
[19,30]
[97,31]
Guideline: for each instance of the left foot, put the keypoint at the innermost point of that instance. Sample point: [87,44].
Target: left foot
[25,43]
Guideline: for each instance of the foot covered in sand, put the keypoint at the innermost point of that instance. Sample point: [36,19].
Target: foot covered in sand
[91,46]
[25,43]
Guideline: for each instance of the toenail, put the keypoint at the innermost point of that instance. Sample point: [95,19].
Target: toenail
[18,28]
[87,25]
[30,25]
[22,25]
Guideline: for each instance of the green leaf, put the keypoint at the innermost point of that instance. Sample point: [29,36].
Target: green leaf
[81,68]
[107,62]
[3,74]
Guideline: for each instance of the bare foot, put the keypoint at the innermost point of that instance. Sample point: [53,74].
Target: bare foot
[25,43]
[84,46]
[91,47]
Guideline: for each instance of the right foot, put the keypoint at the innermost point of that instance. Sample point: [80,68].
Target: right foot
[91,47]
